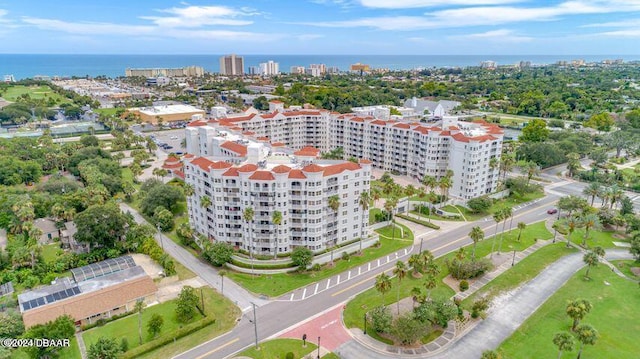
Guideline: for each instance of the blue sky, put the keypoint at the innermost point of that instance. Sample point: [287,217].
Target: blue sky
[417,27]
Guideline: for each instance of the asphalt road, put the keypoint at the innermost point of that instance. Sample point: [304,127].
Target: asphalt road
[275,317]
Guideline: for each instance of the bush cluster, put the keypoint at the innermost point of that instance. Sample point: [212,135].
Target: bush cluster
[467,269]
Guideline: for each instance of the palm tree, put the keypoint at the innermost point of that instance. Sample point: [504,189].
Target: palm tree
[205,202]
[572,223]
[576,310]
[476,234]
[416,263]
[400,271]
[421,193]
[334,204]
[364,201]
[138,308]
[248,215]
[616,194]
[599,251]
[507,212]
[375,195]
[188,189]
[573,163]
[430,283]
[589,221]
[416,293]
[430,182]
[383,284]
[587,335]
[390,206]
[564,341]
[497,217]
[444,184]
[591,260]
[507,160]
[276,218]
[521,227]
[604,194]
[592,190]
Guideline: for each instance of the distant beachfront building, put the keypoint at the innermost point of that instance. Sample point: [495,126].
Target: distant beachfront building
[298,70]
[413,149]
[189,71]
[232,65]
[488,64]
[167,113]
[269,68]
[361,68]
[9,78]
[383,112]
[317,200]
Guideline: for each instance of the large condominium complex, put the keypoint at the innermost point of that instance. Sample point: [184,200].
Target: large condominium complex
[249,183]
[232,65]
[189,71]
[413,149]
[269,68]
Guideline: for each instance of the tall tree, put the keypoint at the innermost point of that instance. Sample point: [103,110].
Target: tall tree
[390,206]
[104,348]
[587,335]
[589,221]
[248,215]
[564,341]
[139,308]
[576,310]
[592,190]
[276,218]
[507,213]
[591,260]
[476,234]
[383,285]
[401,272]
[364,201]
[521,227]
[497,217]
[535,131]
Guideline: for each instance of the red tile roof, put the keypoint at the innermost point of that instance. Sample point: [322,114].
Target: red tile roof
[178,173]
[263,138]
[248,133]
[281,169]
[278,144]
[339,168]
[270,115]
[402,125]
[378,122]
[365,161]
[196,124]
[422,130]
[202,163]
[237,148]
[231,172]
[189,155]
[297,174]
[220,165]
[307,151]
[240,118]
[312,168]
[357,119]
[262,176]
[172,165]
[250,167]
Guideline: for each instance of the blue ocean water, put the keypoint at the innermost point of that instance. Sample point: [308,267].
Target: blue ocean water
[26,66]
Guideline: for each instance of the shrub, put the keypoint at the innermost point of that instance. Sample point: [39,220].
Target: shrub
[479,307]
[467,269]
[124,345]
[407,329]
[316,267]
[289,355]
[218,253]
[380,319]
[100,322]
[418,221]
[464,285]
[346,256]
[480,204]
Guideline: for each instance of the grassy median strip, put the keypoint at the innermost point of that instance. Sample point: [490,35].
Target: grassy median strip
[278,348]
[614,315]
[274,285]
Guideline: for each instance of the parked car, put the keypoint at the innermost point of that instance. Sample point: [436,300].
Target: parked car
[552,211]
[174,137]
[167,147]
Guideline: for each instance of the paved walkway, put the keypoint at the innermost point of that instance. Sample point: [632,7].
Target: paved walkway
[81,345]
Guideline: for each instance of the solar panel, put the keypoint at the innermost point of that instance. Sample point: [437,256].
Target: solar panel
[102,268]
[49,298]
[56,296]
[41,301]
[69,292]
[76,290]
[26,306]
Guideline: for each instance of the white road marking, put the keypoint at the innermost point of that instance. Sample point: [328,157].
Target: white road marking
[349,275]
[338,280]
[328,282]
[316,290]
[292,294]
[359,270]
[369,267]
[304,293]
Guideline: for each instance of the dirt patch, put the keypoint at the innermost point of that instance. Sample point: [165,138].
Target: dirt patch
[499,258]
[619,236]
[635,271]
[150,267]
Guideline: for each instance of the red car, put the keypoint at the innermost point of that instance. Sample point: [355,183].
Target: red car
[552,211]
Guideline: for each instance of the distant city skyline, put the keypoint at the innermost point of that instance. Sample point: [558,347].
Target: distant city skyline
[420,27]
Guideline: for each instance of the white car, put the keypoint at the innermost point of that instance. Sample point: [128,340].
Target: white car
[174,137]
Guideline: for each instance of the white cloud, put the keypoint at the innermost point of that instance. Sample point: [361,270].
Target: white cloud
[109,29]
[405,4]
[483,15]
[308,37]
[501,35]
[622,23]
[633,32]
[198,16]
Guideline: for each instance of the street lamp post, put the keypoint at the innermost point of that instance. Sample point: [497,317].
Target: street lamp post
[255,323]
[160,236]
[555,232]
[318,348]
[365,323]
[513,261]
[421,241]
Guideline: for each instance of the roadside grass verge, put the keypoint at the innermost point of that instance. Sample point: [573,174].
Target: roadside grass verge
[274,285]
[278,349]
[614,316]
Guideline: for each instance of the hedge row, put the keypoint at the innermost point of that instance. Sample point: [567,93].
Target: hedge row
[168,338]
[418,221]
[261,266]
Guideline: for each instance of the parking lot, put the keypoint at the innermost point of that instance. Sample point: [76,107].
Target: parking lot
[172,138]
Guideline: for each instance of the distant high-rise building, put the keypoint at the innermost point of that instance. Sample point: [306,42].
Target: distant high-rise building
[9,78]
[232,65]
[320,68]
[253,70]
[269,68]
[358,67]
[298,70]
[524,64]
[488,64]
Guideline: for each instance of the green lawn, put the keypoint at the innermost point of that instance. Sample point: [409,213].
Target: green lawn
[614,315]
[277,284]
[215,305]
[35,92]
[497,205]
[371,298]
[51,252]
[106,111]
[278,349]
[521,273]
[436,217]
[625,267]
[603,239]
[71,352]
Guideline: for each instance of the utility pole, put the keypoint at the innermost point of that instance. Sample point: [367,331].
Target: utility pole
[160,236]
[255,323]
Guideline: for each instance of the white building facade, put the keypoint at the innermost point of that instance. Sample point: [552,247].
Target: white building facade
[413,149]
